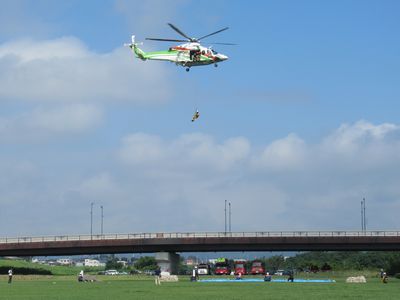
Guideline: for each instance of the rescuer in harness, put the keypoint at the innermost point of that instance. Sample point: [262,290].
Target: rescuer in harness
[196,115]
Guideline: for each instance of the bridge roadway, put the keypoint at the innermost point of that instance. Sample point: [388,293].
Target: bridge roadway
[201,242]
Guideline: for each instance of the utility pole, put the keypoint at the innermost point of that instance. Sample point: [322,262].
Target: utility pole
[102,217]
[230,214]
[91,220]
[363,217]
[225,216]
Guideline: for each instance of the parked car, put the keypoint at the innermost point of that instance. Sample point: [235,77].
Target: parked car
[111,272]
[149,272]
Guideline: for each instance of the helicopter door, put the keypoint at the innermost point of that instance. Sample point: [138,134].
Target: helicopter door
[192,54]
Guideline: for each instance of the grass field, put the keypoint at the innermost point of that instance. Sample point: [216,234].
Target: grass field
[140,287]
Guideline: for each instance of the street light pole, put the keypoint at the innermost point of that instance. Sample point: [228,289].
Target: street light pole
[365,218]
[91,220]
[102,217]
[230,213]
[225,216]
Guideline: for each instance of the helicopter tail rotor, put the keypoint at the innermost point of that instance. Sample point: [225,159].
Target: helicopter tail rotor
[134,46]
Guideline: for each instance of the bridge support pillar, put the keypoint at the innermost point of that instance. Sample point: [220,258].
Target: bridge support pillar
[168,262]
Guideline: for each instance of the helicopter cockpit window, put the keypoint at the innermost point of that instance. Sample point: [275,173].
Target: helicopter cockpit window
[214,52]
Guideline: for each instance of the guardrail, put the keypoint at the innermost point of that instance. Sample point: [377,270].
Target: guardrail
[168,235]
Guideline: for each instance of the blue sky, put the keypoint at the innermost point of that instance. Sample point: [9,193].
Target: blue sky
[296,127]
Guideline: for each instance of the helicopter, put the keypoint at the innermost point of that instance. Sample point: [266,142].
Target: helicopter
[190,54]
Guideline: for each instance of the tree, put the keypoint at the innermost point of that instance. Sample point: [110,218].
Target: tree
[326,267]
[113,264]
[146,263]
[275,262]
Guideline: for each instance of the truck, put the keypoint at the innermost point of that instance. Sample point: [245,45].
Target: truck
[203,269]
[222,267]
[240,266]
[257,267]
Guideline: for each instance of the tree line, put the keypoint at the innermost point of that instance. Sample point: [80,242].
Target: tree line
[337,260]
[314,261]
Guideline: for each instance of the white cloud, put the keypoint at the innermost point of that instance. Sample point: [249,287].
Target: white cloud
[186,152]
[290,184]
[282,154]
[180,184]
[349,138]
[47,122]
[141,148]
[100,185]
[65,70]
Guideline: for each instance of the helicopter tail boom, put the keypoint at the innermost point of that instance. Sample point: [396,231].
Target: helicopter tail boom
[136,50]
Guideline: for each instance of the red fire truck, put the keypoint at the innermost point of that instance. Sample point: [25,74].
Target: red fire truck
[240,266]
[222,267]
[257,267]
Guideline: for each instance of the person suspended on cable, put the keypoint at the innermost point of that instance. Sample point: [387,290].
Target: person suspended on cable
[196,115]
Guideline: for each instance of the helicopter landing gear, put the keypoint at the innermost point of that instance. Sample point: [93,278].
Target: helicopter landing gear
[187,69]
[216,65]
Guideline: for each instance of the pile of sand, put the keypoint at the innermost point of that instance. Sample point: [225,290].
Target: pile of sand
[357,279]
[170,278]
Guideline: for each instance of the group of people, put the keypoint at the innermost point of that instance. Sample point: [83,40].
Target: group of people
[268,277]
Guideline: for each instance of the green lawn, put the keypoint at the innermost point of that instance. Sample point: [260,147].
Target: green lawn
[135,287]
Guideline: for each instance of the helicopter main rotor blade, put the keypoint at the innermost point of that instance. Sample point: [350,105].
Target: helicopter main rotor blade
[165,40]
[228,44]
[179,31]
[203,37]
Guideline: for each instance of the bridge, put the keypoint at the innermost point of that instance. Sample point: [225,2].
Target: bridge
[201,242]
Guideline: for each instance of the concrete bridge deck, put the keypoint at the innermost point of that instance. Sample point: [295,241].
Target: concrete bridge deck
[201,242]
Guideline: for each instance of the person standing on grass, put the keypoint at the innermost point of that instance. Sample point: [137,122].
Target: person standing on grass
[291,276]
[157,276]
[193,278]
[80,276]
[10,275]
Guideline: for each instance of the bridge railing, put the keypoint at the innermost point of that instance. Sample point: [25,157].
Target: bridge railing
[171,235]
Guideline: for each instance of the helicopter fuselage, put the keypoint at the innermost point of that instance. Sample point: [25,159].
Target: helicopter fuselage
[186,55]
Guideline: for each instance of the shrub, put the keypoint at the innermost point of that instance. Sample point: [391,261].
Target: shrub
[24,271]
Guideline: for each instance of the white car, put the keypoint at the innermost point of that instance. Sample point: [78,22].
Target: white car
[111,272]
